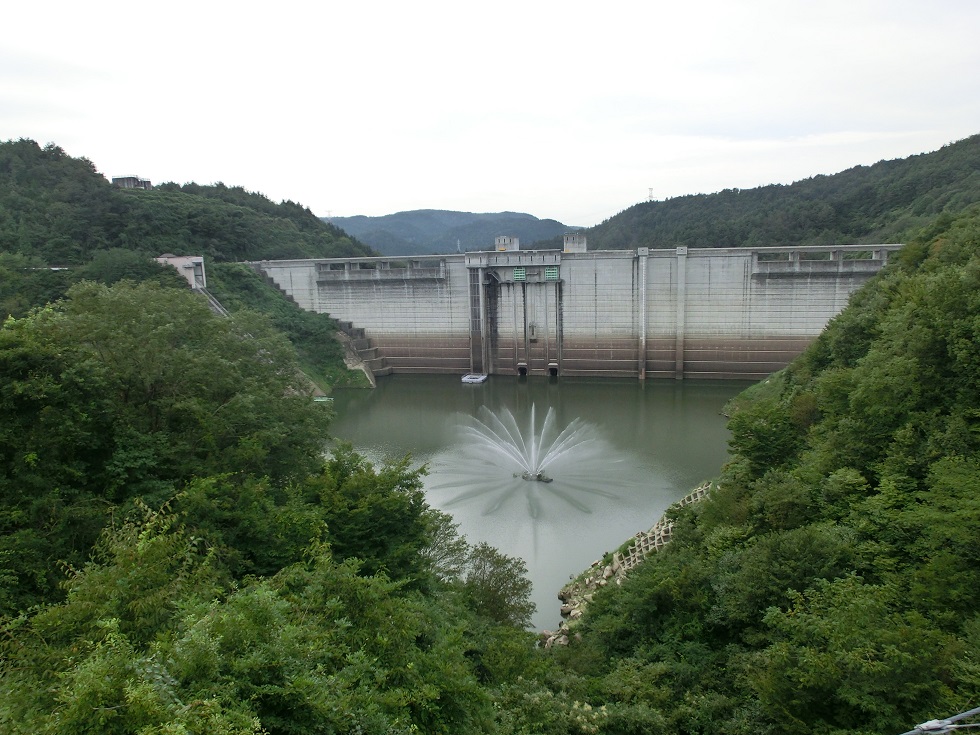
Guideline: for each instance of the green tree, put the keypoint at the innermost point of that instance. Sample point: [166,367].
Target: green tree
[377,516]
[890,201]
[145,641]
[496,587]
[27,282]
[130,391]
[447,550]
[845,659]
[320,353]
[764,435]
[61,210]
[119,264]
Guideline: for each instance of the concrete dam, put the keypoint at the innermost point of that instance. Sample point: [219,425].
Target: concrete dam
[738,313]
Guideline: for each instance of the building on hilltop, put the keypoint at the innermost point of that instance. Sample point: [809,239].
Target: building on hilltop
[575,242]
[190,267]
[131,182]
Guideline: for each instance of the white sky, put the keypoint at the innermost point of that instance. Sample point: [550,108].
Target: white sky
[568,110]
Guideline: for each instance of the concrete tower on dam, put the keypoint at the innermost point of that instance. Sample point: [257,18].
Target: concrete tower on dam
[699,313]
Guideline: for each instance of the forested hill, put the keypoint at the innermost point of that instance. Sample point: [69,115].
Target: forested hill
[831,582]
[56,210]
[426,231]
[886,202]
[61,211]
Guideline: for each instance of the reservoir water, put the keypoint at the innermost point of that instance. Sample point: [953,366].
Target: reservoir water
[556,471]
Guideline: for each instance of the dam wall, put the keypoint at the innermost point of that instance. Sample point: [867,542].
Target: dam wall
[699,313]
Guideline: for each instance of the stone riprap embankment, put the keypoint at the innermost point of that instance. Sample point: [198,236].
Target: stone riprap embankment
[577,594]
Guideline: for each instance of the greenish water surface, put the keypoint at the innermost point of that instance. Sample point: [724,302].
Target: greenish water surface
[624,450]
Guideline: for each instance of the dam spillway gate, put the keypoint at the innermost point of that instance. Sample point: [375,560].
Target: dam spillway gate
[739,313]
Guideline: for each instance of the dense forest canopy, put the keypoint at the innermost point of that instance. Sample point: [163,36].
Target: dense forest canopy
[183,550]
[887,202]
[61,211]
[178,555]
[831,583]
[56,210]
[314,336]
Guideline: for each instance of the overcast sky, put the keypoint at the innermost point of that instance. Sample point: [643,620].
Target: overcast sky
[568,110]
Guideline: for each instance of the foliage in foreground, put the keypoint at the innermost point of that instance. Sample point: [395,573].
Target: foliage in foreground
[313,335]
[150,640]
[831,583]
[127,391]
[178,554]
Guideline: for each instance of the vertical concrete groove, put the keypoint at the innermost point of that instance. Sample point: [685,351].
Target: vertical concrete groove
[643,260]
[527,339]
[484,367]
[559,321]
[545,325]
[680,314]
[514,330]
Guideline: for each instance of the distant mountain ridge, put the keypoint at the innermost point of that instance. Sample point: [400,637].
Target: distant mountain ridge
[888,201]
[425,231]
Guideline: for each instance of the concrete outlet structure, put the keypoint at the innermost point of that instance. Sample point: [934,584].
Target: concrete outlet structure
[698,313]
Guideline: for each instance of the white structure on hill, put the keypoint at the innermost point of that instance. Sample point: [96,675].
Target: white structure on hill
[190,267]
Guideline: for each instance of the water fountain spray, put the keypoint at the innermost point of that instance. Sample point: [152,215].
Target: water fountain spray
[533,451]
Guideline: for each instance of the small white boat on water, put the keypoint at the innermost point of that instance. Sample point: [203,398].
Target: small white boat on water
[474,378]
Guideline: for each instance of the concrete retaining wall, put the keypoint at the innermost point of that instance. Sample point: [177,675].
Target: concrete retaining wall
[707,313]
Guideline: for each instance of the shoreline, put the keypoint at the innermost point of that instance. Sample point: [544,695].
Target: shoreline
[613,567]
